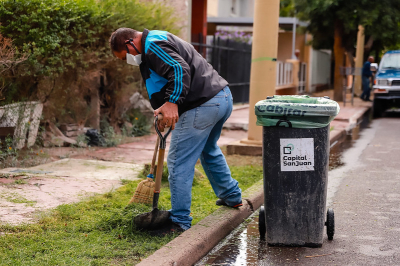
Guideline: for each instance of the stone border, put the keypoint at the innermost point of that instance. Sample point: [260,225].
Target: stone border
[193,244]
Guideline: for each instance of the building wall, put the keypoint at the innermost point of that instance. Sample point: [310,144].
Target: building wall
[230,8]
[285,46]
[181,8]
[247,8]
[321,70]
[212,8]
[225,8]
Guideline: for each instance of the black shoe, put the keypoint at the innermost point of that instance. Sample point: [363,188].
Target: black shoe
[169,228]
[368,100]
[221,202]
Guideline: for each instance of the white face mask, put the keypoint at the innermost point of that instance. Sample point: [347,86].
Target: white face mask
[133,60]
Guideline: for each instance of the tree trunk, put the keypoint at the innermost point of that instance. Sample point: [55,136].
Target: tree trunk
[339,53]
[368,47]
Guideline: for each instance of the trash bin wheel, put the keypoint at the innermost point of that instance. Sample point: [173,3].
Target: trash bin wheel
[330,223]
[261,223]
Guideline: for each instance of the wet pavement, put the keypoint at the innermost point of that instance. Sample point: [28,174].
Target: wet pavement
[244,247]
[364,190]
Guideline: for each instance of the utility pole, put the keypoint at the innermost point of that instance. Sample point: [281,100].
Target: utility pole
[359,59]
[263,65]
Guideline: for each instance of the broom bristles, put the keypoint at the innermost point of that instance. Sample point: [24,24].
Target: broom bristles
[144,192]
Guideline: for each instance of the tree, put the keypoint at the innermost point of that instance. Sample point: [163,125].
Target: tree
[287,8]
[334,24]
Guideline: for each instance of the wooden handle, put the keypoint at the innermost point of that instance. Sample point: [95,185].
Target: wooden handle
[160,167]
[153,162]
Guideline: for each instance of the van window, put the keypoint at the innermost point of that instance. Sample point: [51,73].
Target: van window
[390,61]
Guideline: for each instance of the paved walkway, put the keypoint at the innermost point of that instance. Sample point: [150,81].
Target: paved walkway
[141,151]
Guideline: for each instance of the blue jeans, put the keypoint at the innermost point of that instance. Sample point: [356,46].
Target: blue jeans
[366,88]
[195,136]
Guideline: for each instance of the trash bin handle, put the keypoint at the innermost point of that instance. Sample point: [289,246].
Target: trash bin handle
[284,120]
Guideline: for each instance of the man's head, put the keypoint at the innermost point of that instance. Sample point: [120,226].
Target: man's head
[371,59]
[119,42]
[297,53]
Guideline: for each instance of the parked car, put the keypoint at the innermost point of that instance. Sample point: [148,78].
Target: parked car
[387,83]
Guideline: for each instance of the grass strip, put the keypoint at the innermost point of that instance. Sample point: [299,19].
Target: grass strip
[99,230]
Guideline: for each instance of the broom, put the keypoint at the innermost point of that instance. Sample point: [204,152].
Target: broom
[145,189]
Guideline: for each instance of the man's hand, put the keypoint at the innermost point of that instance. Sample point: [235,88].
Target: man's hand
[170,115]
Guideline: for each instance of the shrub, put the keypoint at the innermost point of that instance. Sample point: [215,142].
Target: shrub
[141,124]
[237,36]
[69,58]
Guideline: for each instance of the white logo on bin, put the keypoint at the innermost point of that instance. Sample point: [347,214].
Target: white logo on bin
[297,154]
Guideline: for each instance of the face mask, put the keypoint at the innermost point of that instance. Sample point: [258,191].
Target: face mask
[131,59]
[134,60]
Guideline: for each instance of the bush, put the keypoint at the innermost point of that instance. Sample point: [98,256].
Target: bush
[141,124]
[67,41]
[7,148]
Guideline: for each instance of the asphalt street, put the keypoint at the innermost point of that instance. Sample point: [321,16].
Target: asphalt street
[367,200]
[365,195]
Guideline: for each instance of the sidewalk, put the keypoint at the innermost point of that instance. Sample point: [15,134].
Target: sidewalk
[236,127]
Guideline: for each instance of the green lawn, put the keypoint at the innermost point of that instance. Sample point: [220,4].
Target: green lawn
[99,230]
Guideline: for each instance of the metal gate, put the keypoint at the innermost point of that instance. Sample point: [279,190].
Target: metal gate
[232,61]
[302,78]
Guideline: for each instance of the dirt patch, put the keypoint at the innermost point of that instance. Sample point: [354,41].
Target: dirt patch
[24,203]
[23,197]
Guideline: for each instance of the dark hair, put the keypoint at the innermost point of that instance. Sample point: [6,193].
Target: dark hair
[118,38]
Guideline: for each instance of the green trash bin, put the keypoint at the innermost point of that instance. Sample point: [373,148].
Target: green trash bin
[295,168]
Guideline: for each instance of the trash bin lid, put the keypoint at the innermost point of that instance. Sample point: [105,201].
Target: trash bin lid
[297,111]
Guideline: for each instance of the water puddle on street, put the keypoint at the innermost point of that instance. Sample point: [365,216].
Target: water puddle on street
[244,247]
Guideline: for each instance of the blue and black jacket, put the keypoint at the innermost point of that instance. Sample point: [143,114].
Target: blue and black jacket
[175,72]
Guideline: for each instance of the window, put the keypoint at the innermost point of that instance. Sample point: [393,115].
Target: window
[390,61]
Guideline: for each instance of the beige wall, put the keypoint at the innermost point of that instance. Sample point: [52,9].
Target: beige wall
[285,46]
[212,8]
[285,50]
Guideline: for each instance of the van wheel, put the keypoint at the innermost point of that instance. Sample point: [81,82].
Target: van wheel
[377,108]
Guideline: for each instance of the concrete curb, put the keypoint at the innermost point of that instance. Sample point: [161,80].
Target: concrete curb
[355,119]
[195,243]
[236,126]
[336,135]
[238,107]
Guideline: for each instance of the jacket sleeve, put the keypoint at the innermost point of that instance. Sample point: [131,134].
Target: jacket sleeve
[165,60]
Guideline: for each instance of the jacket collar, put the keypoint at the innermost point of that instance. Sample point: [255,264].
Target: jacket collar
[144,37]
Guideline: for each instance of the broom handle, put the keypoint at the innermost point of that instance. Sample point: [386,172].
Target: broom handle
[153,162]
[157,186]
